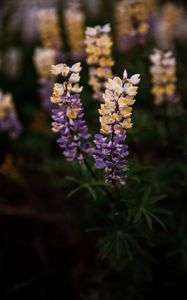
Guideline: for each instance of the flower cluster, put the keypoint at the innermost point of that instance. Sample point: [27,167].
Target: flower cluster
[49,28]
[163,71]
[74,20]
[43,59]
[98,48]
[132,21]
[50,53]
[68,117]
[111,150]
[8,117]
[169,25]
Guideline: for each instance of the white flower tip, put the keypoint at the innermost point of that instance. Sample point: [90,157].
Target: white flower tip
[135,79]
[125,74]
[106,28]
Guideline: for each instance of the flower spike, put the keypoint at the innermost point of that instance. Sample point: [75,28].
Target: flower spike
[163,72]
[68,117]
[115,118]
[99,57]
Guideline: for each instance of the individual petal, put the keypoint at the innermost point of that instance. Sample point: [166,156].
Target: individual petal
[76,68]
[135,79]
[74,78]
[106,28]
[76,88]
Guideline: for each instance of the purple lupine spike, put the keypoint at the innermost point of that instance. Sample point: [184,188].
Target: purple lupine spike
[110,147]
[68,117]
[110,154]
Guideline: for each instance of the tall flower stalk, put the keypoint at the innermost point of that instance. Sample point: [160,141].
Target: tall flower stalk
[49,28]
[74,20]
[133,20]
[163,72]
[99,57]
[9,121]
[49,54]
[68,118]
[169,25]
[43,59]
[111,150]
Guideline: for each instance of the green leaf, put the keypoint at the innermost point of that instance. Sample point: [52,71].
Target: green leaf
[92,192]
[146,195]
[73,179]
[149,221]
[75,191]
[157,199]
[137,217]
[158,220]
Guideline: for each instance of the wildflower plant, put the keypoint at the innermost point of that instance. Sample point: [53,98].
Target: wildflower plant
[50,52]
[49,28]
[163,72]
[170,25]
[116,178]
[68,118]
[132,18]
[43,59]
[9,121]
[99,57]
[111,150]
[74,18]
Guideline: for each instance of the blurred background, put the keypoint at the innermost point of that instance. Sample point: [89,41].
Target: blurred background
[49,247]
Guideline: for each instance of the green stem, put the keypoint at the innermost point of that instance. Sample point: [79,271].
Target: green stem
[90,169]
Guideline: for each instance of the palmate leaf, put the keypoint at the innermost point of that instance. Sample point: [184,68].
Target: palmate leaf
[119,245]
[81,187]
[93,188]
[117,238]
[150,217]
[143,209]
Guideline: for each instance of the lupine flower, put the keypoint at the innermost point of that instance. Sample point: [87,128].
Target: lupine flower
[43,59]
[68,117]
[49,28]
[163,71]
[169,25]
[74,20]
[111,150]
[52,42]
[8,117]
[132,18]
[123,25]
[98,48]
